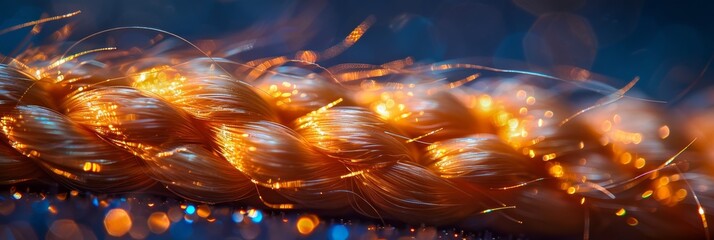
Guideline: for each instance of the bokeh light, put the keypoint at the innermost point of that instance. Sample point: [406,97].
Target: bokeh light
[255,215]
[339,232]
[117,222]
[306,224]
[237,217]
[190,209]
[158,222]
[576,40]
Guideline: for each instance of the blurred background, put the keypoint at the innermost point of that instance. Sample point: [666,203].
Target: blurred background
[668,44]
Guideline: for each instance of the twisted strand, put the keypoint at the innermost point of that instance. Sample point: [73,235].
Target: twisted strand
[306,142]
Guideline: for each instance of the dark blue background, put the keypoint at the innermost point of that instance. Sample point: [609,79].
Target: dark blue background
[667,43]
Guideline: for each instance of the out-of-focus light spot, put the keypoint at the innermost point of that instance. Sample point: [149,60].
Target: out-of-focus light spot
[255,215]
[103,203]
[381,109]
[188,218]
[95,202]
[663,193]
[626,158]
[664,132]
[61,196]
[63,229]
[647,194]
[17,195]
[52,209]
[530,100]
[339,232]
[523,111]
[640,163]
[621,212]
[237,217]
[663,181]
[175,214]
[680,194]
[485,101]
[117,222]
[632,221]
[637,138]
[203,211]
[626,137]
[675,177]
[549,157]
[190,209]
[556,171]
[158,222]
[306,224]
[513,123]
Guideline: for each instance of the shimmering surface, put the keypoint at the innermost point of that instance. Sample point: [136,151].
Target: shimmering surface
[198,132]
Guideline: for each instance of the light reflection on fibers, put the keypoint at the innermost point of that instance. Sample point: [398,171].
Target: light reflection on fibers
[324,142]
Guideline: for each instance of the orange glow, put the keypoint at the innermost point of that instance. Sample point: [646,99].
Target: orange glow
[556,171]
[91,167]
[266,125]
[632,221]
[52,209]
[307,56]
[306,224]
[625,158]
[117,222]
[640,163]
[621,212]
[203,211]
[158,222]
[485,101]
[664,132]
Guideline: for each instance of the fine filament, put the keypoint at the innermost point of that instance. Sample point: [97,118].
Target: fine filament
[418,148]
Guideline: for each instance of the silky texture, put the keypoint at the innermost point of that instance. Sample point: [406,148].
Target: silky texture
[415,151]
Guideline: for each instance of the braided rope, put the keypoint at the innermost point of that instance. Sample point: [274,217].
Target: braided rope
[419,150]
